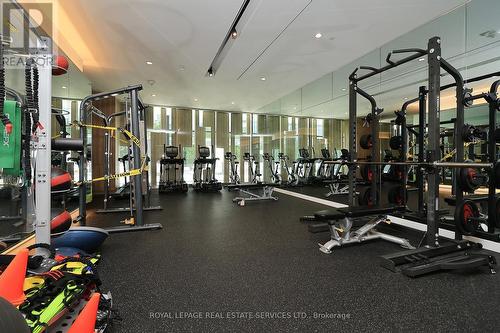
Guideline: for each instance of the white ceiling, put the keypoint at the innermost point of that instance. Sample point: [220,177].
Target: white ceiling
[123,35]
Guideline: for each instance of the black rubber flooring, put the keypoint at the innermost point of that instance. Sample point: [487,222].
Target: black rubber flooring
[259,264]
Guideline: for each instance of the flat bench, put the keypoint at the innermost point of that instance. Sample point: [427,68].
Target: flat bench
[252,192]
[247,186]
[354,212]
[341,222]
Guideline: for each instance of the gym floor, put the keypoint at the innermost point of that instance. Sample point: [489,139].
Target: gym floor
[213,256]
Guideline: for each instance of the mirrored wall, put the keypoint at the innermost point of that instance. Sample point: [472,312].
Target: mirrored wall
[238,133]
[470,37]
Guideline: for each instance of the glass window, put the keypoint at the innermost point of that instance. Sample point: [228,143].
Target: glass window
[320,129]
[200,118]
[156,117]
[169,118]
[244,122]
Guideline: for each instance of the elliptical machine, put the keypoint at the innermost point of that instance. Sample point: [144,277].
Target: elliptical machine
[290,170]
[253,168]
[273,168]
[204,172]
[234,177]
[170,179]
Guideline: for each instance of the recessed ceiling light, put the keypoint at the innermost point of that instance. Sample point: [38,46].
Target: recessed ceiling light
[181,68]
[232,103]
[421,59]
[318,35]
[149,62]
[344,89]
[153,95]
[196,99]
[405,98]
[263,78]
[64,87]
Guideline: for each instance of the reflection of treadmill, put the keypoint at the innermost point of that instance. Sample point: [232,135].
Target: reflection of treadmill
[123,192]
[204,172]
[170,179]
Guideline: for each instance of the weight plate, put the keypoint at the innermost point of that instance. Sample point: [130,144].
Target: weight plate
[463,214]
[396,142]
[366,141]
[396,196]
[365,197]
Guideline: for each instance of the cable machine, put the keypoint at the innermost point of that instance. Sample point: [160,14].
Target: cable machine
[138,159]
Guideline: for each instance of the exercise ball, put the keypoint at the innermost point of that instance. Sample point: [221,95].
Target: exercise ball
[60,65]
[60,221]
[60,180]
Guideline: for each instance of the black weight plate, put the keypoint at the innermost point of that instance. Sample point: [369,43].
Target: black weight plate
[366,141]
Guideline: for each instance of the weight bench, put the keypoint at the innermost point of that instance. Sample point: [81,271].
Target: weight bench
[341,221]
[252,192]
[337,187]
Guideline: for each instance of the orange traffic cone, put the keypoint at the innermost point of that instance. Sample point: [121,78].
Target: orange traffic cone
[12,279]
[85,323]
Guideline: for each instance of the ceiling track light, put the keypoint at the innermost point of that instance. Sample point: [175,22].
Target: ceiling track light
[234,33]
[231,35]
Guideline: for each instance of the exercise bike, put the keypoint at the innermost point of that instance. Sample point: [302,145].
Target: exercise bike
[290,170]
[273,168]
[234,178]
[253,168]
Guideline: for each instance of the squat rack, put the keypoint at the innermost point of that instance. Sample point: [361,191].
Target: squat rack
[431,155]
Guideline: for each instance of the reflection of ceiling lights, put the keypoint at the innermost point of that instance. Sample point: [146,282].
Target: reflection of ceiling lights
[421,59]
[153,95]
[263,78]
[234,33]
[64,87]
[344,89]
[232,103]
[181,68]
[488,34]
[318,35]
[196,99]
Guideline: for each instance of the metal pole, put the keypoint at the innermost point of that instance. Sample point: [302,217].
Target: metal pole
[422,108]
[352,139]
[82,214]
[377,181]
[136,155]
[434,57]
[43,147]
[492,153]
[107,144]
